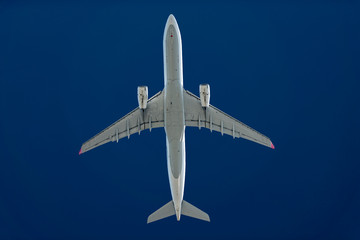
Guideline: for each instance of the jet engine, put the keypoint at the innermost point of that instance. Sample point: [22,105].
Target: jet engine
[142,94]
[204,95]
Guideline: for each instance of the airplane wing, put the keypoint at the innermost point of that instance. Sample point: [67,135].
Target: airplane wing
[134,122]
[214,119]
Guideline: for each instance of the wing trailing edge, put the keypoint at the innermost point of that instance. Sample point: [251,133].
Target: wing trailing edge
[216,120]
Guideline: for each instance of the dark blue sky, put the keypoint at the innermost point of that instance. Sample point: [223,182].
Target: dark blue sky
[289,70]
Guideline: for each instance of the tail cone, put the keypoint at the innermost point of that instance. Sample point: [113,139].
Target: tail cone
[178,214]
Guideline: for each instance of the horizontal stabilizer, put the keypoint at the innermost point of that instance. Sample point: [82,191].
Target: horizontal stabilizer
[192,211]
[165,211]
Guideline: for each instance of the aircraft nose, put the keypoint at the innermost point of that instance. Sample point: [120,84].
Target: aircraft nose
[171,20]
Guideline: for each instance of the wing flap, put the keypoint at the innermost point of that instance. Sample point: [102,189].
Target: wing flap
[134,122]
[216,120]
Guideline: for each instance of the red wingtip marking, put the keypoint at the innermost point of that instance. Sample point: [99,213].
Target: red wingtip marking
[80,152]
[272,146]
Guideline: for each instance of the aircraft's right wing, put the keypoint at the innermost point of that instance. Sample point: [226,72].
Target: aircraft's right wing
[215,119]
[134,122]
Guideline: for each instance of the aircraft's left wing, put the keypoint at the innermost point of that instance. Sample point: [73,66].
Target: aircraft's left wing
[134,122]
[215,119]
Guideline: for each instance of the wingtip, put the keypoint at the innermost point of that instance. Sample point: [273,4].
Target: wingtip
[80,152]
[272,146]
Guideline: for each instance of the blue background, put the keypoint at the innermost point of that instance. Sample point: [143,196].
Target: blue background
[289,69]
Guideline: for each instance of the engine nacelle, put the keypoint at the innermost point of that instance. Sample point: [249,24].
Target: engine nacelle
[142,94]
[204,95]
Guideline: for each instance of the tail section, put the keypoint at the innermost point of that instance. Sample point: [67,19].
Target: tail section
[186,209]
[192,211]
[165,211]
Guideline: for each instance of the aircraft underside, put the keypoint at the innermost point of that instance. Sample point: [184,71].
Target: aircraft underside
[174,109]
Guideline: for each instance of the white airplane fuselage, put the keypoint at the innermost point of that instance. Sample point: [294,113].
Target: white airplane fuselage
[174,112]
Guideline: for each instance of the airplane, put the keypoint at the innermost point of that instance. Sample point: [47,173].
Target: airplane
[174,109]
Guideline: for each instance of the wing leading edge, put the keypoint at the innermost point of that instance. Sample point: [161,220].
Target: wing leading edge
[134,122]
[214,119]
